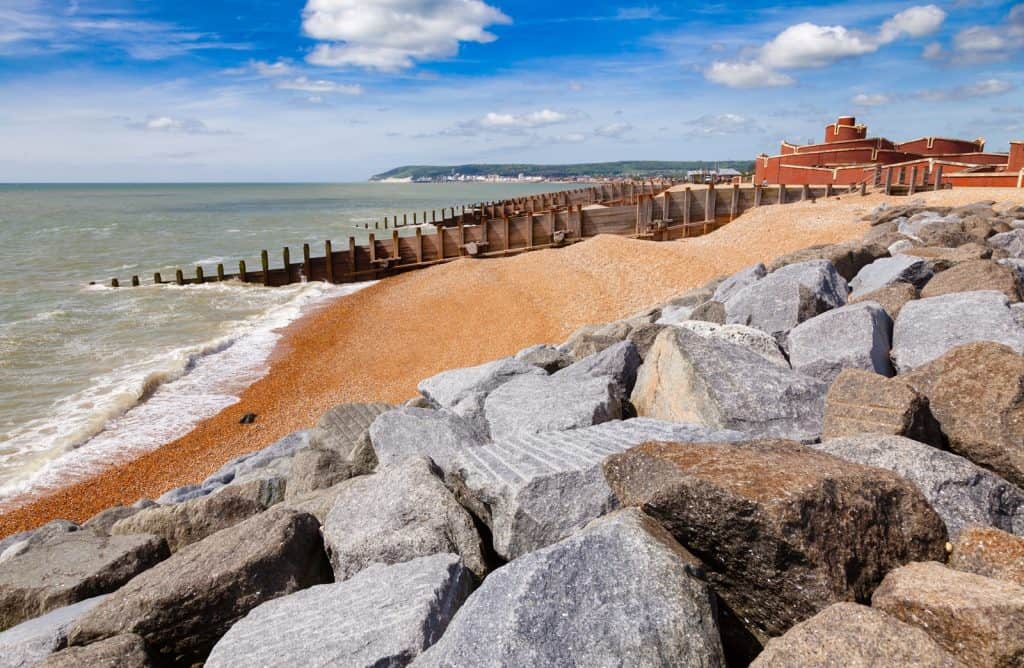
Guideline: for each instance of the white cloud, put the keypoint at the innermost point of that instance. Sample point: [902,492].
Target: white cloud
[746,75]
[871,99]
[717,125]
[279,69]
[613,130]
[392,35]
[171,124]
[986,87]
[979,39]
[319,86]
[533,119]
[933,51]
[808,45]
[573,138]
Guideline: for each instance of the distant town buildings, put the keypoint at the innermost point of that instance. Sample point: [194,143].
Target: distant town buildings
[848,156]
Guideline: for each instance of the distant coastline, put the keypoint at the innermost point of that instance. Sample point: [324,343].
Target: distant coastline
[534,173]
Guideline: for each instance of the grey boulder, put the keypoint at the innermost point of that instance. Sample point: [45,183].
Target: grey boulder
[274,456]
[926,329]
[534,490]
[887,271]
[463,391]
[856,336]
[384,616]
[409,432]
[694,379]
[69,567]
[545,356]
[182,606]
[786,297]
[620,592]
[761,343]
[738,281]
[1012,242]
[28,643]
[397,515]
[124,651]
[959,491]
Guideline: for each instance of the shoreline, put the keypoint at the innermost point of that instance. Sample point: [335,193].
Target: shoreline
[376,344]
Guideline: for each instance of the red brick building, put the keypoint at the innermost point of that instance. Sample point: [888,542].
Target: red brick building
[848,156]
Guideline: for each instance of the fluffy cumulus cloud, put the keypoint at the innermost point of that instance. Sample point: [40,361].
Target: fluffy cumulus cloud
[391,35]
[808,45]
[985,43]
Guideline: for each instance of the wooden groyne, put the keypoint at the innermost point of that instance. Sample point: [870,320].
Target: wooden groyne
[650,210]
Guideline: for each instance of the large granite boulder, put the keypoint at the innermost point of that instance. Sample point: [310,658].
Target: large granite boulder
[761,343]
[784,530]
[928,328]
[534,490]
[643,337]
[973,276]
[185,523]
[892,298]
[28,643]
[104,520]
[978,620]
[124,651]
[848,635]
[274,460]
[397,515]
[411,432]
[1012,243]
[786,297]
[861,402]
[545,356]
[591,339]
[847,257]
[959,491]
[463,391]
[183,605]
[738,281]
[943,258]
[990,552]
[975,392]
[67,567]
[887,271]
[690,378]
[384,616]
[589,392]
[18,543]
[857,336]
[620,591]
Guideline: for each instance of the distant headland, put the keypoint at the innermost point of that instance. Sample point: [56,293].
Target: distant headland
[539,173]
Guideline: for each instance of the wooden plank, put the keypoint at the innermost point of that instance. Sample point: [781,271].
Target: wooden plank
[307,268]
[330,261]
[286,257]
[373,250]
[265,263]
[242,275]
[396,252]
[419,243]
[352,258]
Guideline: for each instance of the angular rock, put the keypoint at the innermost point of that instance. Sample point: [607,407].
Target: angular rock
[738,281]
[545,356]
[643,337]
[384,616]
[1011,242]
[952,231]
[942,258]
[409,432]
[463,391]
[709,311]
[619,591]
[848,257]
[976,392]
[786,297]
[102,521]
[890,270]
[343,430]
[31,641]
[784,530]
[317,503]
[591,339]
[748,337]
[534,490]
[534,404]
[972,276]
[857,336]
[989,552]
[124,651]
[314,469]
[47,533]
[70,567]
[959,491]
[275,456]
[182,606]
[978,620]
[929,224]
[398,515]
[690,378]
[900,246]
[928,328]
[853,636]
[618,364]
[861,402]
[892,298]
[191,521]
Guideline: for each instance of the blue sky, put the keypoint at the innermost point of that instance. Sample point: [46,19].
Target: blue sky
[335,90]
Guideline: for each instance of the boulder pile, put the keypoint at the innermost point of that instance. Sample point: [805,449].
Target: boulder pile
[817,461]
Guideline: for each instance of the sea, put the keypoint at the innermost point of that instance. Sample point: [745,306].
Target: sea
[91,374]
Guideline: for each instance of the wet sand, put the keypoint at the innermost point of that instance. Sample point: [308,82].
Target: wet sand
[377,344]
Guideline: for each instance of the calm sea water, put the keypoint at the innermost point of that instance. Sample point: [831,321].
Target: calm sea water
[89,373]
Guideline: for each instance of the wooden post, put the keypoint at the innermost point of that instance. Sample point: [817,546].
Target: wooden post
[135,281]
[414,218]
[805,192]
[220,272]
[286,257]
[424,218]
[114,283]
[757,196]
[330,261]
[888,181]
[529,230]
[734,204]
[200,279]
[242,276]
[938,177]
[504,219]
[710,206]
[405,219]
[462,234]
[913,180]
[179,277]
[265,264]
[433,215]
[687,205]
[440,240]
[307,268]
[373,250]
[828,190]
[351,256]
[419,244]
[782,193]
[157,278]
[878,175]
[396,252]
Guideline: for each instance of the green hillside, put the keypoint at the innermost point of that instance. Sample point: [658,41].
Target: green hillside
[638,169]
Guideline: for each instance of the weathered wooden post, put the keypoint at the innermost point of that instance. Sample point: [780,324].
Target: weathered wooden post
[757,196]
[505,243]
[734,203]
[888,181]
[157,278]
[782,193]
[405,219]
[828,190]
[372,244]
[395,249]
[352,257]
[307,268]
[179,277]
[329,258]
[687,205]
[200,279]
[114,283]
[419,245]
[135,281]
[265,264]
[286,257]
[242,276]
[710,207]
